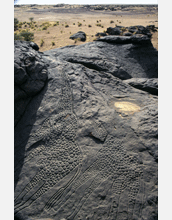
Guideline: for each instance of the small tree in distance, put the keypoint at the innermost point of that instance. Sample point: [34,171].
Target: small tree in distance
[31,19]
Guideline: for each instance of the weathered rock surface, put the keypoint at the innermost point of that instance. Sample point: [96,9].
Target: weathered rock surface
[30,75]
[149,85]
[86,144]
[79,35]
[135,39]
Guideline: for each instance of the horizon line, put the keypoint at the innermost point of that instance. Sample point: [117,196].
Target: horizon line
[91,4]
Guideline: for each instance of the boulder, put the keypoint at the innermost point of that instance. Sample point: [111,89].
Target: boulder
[113,31]
[151,27]
[86,145]
[79,35]
[34,46]
[127,34]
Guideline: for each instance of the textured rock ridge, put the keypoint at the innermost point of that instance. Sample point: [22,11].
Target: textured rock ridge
[135,39]
[86,142]
[149,85]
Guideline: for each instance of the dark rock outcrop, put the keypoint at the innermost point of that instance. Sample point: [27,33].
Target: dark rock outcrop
[30,75]
[139,29]
[132,30]
[135,39]
[79,35]
[113,31]
[86,144]
[149,85]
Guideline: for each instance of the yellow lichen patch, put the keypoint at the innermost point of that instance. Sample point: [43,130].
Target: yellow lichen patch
[127,107]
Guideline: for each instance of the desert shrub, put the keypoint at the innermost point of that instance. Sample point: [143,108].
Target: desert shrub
[111,22]
[55,24]
[20,24]
[79,24]
[66,25]
[25,25]
[52,43]
[73,23]
[44,28]
[102,26]
[17,37]
[48,32]
[99,25]
[45,24]
[41,43]
[27,36]
[84,20]
[123,29]
[77,39]
[89,25]
[97,21]
[31,19]
[61,32]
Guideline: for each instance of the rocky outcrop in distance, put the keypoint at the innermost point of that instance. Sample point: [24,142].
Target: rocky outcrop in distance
[132,30]
[79,35]
[86,143]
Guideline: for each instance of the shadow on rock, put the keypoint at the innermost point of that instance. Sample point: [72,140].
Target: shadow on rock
[147,58]
[22,132]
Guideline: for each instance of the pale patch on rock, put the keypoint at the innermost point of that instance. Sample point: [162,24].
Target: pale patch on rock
[127,107]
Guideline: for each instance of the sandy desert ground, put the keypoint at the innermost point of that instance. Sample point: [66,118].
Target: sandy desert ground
[72,14]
